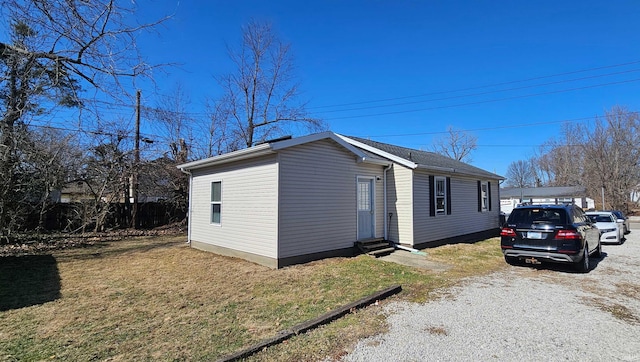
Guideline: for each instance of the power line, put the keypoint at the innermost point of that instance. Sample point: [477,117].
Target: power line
[483,93]
[493,128]
[92,132]
[109,105]
[481,87]
[192,114]
[521,125]
[484,101]
[130,107]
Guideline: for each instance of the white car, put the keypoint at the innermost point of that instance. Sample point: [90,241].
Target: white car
[611,230]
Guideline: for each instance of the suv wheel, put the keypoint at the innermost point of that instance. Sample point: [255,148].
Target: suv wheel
[583,264]
[598,252]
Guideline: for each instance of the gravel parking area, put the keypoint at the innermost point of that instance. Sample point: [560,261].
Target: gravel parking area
[523,313]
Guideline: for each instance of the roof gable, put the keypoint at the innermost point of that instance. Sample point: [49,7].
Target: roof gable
[275,146]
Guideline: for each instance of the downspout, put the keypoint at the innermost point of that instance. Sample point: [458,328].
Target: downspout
[189,205]
[384,195]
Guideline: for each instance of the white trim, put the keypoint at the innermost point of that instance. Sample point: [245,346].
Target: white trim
[484,206]
[211,203]
[379,152]
[228,157]
[435,193]
[385,223]
[372,191]
[316,137]
[189,207]
[267,148]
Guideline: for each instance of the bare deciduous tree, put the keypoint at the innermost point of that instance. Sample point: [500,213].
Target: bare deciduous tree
[91,40]
[456,144]
[520,174]
[161,178]
[171,118]
[25,82]
[561,158]
[261,96]
[54,48]
[55,159]
[220,132]
[106,174]
[613,157]
[605,157]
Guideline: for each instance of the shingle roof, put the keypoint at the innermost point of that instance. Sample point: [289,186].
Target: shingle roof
[557,191]
[365,149]
[427,159]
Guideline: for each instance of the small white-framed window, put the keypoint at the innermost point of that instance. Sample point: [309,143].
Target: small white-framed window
[484,195]
[440,196]
[216,202]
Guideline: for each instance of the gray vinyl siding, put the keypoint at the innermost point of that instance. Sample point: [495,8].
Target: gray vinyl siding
[400,204]
[249,206]
[464,218]
[318,198]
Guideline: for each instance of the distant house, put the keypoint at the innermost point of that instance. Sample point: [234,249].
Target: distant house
[301,199]
[511,197]
[77,191]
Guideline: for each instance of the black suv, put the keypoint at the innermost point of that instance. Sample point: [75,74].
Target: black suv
[550,233]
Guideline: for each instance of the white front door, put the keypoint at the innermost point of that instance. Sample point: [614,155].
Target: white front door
[366,214]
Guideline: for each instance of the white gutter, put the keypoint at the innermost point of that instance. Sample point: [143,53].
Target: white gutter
[228,157]
[189,205]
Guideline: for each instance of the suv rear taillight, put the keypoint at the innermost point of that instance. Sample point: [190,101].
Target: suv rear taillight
[508,232]
[568,235]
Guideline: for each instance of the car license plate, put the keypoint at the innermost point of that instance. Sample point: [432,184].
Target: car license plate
[532,261]
[534,235]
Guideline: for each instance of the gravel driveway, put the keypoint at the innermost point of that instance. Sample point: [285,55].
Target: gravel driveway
[523,313]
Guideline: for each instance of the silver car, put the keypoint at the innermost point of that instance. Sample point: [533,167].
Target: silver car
[611,229]
[625,220]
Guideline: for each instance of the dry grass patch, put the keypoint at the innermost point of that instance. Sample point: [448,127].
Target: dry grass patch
[629,290]
[156,298]
[328,342]
[437,330]
[617,310]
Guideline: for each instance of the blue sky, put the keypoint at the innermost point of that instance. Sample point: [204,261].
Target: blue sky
[509,72]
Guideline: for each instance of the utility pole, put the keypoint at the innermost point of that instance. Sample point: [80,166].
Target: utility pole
[136,164]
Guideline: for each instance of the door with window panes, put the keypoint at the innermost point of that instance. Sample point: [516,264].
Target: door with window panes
[366,212]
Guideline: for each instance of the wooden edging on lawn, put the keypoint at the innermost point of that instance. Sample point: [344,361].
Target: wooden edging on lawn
[313,323]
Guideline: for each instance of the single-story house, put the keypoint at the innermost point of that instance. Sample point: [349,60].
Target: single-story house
[295,200]
[511,197]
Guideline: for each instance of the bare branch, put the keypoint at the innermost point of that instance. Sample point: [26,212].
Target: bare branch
[456,144]
[260,96]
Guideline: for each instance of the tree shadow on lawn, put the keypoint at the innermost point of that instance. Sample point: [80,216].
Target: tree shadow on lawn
[28,280]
